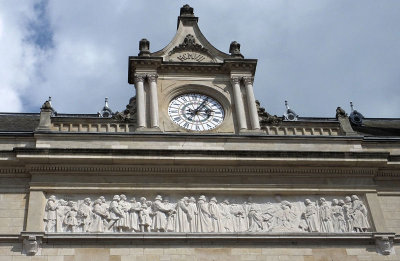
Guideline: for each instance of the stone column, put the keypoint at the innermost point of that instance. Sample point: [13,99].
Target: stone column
[251,103]
[140,102]
[153,100]
[237,95]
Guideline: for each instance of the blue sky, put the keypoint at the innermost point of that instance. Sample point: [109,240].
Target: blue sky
[316,54]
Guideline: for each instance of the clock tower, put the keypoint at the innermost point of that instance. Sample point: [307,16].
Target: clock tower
[191,87]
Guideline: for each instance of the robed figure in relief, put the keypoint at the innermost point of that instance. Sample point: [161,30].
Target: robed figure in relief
[203,216]
[85,214]
[62,210]
[359,214]
[309,218]
[192,212]
[99,215]
[134,215]
[159,223]
[215,213]
[51,214]
[325,215]
[226,216]
[182,216]
[339,224]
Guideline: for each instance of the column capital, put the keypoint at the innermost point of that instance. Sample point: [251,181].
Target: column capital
[248,80]
[235,80]
[140,77]
[152,77]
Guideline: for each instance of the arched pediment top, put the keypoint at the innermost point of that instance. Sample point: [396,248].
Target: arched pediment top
[189,44]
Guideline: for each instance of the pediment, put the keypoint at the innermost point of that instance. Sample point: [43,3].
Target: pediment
[190,45]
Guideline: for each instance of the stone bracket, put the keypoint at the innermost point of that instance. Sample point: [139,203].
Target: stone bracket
[31,242]
[384,242]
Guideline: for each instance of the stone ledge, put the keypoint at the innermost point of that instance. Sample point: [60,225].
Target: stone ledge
[212,238]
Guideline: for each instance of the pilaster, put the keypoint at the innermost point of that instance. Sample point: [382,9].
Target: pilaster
[237,94]
[140,100]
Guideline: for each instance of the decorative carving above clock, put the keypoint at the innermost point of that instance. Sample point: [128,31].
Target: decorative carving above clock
[190,57]
[196,112]
[190,51]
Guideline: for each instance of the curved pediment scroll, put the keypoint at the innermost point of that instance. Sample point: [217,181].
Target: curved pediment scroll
[190,51]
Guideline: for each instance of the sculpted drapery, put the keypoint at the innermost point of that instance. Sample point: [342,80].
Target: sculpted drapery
[185,216]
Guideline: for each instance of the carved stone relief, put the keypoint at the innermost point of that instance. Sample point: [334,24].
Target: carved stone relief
[222,214]
[190,51]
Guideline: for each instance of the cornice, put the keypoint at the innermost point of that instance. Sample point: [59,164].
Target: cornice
[212,153]
[201,170]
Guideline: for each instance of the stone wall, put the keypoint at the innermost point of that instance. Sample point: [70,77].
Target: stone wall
[391,211]
[202,253]
[12,213]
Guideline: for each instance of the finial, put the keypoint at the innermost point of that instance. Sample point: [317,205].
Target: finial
[186,10]
[106,112]
[355,116]
[144,47]
[290,115]
[234,50]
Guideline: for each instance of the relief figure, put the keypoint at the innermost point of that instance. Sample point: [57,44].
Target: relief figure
[215,215]
[359,214]
[203,216]
[183,217]
[310,219]
[134,215]
[325,216]
[50,216]
[339,224]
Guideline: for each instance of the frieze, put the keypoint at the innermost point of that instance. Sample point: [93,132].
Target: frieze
[204,214]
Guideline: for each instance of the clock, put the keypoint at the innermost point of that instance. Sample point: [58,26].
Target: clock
[196,112]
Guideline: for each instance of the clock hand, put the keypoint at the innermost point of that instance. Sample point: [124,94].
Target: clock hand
[201,105]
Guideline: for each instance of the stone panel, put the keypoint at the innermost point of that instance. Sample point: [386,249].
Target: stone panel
[12,213]
[391,211]
[199,253]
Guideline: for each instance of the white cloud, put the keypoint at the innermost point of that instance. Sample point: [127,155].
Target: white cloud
[316,54]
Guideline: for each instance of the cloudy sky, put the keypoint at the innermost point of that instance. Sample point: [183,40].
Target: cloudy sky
[316,54]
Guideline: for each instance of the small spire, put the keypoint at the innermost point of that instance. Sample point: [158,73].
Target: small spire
[106,112]
[355,117]
[290,115]
[47,106]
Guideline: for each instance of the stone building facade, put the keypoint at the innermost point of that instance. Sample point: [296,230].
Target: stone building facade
[195,169]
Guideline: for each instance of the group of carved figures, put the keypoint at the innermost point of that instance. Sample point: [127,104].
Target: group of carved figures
[190,216]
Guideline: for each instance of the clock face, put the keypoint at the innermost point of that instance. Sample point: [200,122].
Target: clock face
[196,112]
